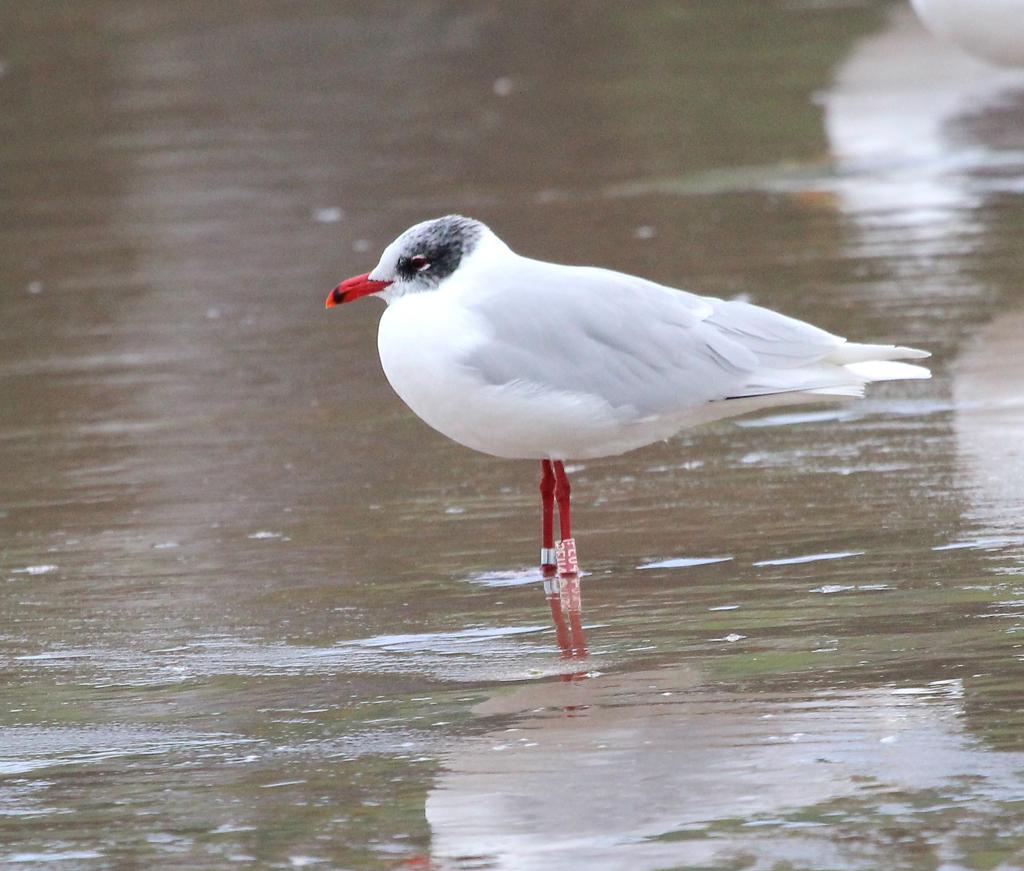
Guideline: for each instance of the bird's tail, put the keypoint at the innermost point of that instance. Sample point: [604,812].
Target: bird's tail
[878,363]
[845,371]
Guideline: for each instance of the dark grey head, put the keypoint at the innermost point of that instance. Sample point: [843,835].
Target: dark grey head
[427,253]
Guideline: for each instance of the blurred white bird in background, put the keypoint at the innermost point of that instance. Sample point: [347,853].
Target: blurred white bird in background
[992,30]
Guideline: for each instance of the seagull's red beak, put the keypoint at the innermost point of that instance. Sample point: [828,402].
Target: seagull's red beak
[353,288]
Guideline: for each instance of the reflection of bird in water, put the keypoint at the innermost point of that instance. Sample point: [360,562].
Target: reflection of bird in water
[652,769]
[892,116]
[524,359]
[988,391]
[989,29]
[563,597]
[902,120]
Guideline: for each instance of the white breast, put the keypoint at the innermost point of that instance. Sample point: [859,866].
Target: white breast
[424,339]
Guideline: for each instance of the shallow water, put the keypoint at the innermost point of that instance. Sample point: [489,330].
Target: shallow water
[252,612]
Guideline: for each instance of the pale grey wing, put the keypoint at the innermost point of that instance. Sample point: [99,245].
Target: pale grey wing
[779,341]
[642,348]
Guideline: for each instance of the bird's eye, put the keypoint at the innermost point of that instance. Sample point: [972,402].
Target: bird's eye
[419,262]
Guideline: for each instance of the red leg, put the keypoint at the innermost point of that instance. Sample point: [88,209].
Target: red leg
[547,501]
[567,564]
[563,594]
[562,493]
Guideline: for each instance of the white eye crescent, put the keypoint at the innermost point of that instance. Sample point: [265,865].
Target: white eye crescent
[419,262]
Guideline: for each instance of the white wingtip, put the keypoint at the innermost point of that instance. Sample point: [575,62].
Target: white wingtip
[888,370]
[914,353]
[858,352]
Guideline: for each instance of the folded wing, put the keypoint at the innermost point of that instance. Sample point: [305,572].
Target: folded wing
[648,350]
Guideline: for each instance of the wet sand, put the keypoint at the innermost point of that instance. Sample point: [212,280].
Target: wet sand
[254,613]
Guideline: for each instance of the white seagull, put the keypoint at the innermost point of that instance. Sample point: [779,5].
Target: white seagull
[531,360]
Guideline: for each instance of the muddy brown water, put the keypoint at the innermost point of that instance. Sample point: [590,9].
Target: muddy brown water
[253,613]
